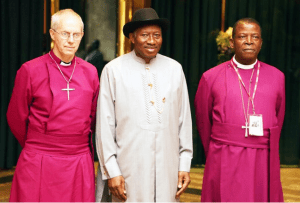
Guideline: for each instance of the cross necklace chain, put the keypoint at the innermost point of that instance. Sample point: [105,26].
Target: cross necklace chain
[250,98]
[246,127]
[68,89]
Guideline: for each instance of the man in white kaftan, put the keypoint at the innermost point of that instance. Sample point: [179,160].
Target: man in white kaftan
[144,129]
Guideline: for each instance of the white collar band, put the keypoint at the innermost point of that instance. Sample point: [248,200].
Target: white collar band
[65,64]
[242,66]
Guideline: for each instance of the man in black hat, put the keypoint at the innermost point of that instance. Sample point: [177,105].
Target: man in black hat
[144,128]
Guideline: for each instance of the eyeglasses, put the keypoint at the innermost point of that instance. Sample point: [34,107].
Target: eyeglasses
[67,35]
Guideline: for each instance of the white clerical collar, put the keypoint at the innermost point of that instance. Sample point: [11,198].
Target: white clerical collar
[242,66]
[59,61]
[65,64]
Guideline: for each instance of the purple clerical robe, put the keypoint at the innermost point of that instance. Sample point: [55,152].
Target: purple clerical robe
[56,163]
[240,168]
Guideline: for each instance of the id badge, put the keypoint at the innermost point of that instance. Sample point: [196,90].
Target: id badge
[256,125]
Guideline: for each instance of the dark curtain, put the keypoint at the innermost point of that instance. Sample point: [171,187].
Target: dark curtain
[21,40]
[191,41]
[46,36]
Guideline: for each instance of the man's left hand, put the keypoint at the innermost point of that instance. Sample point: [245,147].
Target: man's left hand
[183,182]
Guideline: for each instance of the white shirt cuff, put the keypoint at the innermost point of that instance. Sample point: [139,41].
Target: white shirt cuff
[185,164]
[111,169]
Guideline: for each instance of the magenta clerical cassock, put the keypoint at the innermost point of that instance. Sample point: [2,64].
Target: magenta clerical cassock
[240,168]
[56,163]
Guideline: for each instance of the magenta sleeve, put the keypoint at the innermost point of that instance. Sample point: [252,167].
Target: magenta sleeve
[19,105]
[203,109]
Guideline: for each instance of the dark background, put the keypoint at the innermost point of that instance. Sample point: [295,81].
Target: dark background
[190,40]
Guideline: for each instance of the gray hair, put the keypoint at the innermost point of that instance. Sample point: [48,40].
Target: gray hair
[56,17]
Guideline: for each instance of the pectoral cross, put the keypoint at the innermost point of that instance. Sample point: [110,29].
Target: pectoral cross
[68,90]
[246,127]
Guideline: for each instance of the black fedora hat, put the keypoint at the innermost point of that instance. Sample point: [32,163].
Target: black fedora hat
[145,16]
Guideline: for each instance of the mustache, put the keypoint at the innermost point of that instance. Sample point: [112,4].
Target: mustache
[150,47]
[249,49]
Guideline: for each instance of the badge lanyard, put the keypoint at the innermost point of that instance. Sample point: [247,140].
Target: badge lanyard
[251,98]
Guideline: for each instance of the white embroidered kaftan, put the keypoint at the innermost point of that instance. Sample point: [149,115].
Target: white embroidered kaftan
[133,139]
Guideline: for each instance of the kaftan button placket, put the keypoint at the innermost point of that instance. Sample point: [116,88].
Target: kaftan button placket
[148,68]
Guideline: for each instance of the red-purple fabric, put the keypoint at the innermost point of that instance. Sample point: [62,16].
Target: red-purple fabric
[56,163]
[54,168]
[238,168]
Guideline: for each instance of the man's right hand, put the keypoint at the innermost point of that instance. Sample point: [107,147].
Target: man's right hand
[117,187]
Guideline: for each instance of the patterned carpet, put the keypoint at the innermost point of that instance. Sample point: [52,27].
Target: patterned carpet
[290,178]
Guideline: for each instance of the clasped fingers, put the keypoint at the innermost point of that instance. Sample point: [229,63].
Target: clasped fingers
[117,187]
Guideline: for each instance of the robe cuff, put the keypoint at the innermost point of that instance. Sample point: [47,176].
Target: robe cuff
[111,169]
[185,164]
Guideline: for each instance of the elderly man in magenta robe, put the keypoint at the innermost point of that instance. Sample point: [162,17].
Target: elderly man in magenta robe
[240,107]
[144,129]
[52,114]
